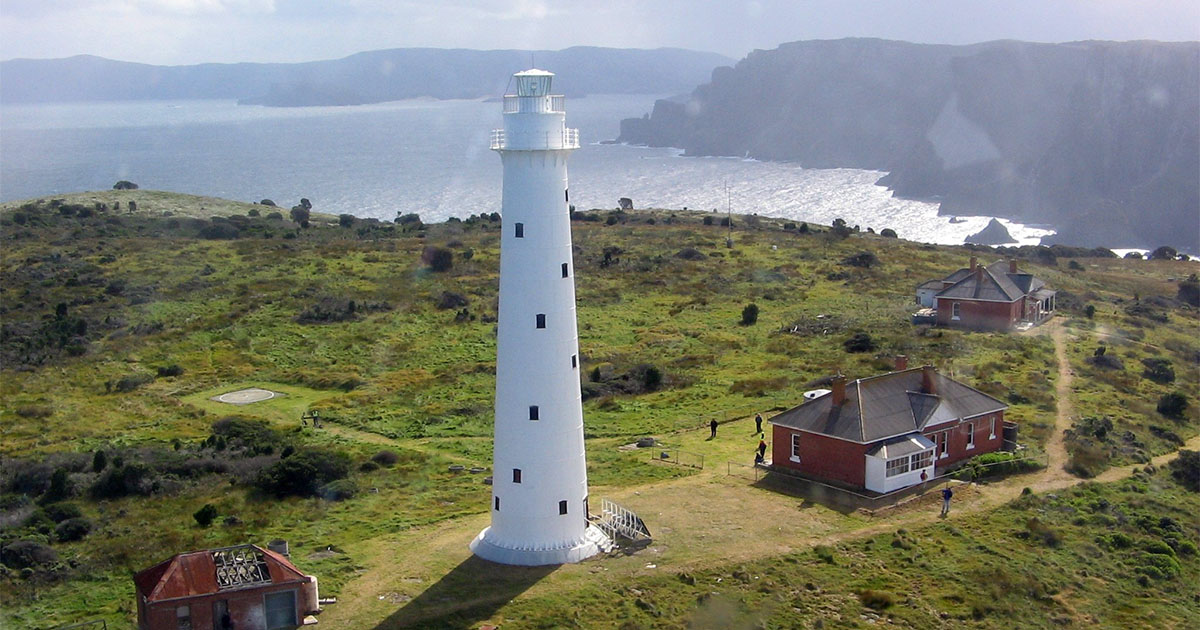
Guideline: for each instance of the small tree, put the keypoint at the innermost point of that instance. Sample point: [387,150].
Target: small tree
[346,220]
[125,185]
[652,379]
[206,515]
[99,461]
[1186,469]
[1090,311]
[750,315]
[1166,252]
[301,215]
[859,342]
[888,233]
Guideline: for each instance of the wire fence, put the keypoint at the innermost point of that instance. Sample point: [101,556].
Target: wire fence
[679,458]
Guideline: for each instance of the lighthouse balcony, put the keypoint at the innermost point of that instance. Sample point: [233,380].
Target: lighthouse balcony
[535,140]
[549,103]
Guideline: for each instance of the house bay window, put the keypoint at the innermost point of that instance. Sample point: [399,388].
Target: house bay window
[924,459]
[897,466]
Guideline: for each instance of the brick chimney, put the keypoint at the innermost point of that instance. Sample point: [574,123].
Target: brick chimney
[974,263]
[1012,265]
[928,384]
[901,362]
[839,390]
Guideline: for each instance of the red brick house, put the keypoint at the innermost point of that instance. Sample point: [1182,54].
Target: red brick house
[993,297]
[887,432]
[239,588]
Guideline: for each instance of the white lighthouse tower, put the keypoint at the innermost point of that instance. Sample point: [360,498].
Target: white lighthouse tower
[540,494]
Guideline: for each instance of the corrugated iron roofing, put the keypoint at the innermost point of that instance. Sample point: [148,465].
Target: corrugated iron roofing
[889,405]
[194,573]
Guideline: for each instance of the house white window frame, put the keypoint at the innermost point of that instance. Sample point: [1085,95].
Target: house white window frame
[918,461]
[795,448]
[955,310]
[970,434]
[896,467]
[941,442]
[992,435]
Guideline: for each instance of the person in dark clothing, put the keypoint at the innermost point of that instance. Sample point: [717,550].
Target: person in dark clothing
[762,451]
[946,494]
[712,426]
[758,423]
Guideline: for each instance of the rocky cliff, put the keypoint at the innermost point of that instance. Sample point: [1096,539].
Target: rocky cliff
[1098,139]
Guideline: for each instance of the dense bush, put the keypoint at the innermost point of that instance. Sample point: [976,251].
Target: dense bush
[1189,291]
[339,490]
[205,515]
[859,342]
[346,220]
[865,260]
[304,473]
[1166,252]
[125,185]
[72,529]
[170,370]
[888,233]
[59,512]
[124,480]
[385,458]
[690,253]
[749,314]
[23,554]
[1186,469]
[131,382]
[438,258]
[1173,405]
[450,299]
[1158,370]
[220,231]
[253,435]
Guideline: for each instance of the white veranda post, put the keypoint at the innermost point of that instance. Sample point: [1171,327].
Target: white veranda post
[539,502]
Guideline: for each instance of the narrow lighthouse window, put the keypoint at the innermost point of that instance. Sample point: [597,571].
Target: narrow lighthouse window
[541,320]
[567,194]
[520,230]
[565,270]
[574,360]
[562,507]
[533,412]
[497,503]
[516,475]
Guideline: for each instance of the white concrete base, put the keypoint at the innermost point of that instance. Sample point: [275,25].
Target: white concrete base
[584,549]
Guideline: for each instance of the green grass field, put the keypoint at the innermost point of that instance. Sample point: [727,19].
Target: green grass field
[172,318]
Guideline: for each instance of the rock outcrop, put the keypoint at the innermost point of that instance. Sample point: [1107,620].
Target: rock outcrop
[1099,139]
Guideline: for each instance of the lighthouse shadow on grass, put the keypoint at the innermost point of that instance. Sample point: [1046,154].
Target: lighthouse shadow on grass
[470,593]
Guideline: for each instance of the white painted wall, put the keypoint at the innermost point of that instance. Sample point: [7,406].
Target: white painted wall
[878,481]
[533,366]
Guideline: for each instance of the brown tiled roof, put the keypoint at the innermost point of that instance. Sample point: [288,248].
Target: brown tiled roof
[889,405]
[195,573]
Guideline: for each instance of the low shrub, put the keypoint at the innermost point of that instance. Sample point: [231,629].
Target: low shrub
[339,490]
[304,473]
[205,515]
[170,370]
[1186,469]
[72,529]
[749,314]
[1158,370]
[131,382]
[59,512]
[24,554]
[385,458]
[1043,533]
[859,342]
[876,600]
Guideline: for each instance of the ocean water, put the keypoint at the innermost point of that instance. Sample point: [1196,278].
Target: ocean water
[423,156]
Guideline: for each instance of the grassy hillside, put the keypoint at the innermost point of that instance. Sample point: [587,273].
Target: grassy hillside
[118,329]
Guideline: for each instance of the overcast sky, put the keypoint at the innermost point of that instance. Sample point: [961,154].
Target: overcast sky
[196,31]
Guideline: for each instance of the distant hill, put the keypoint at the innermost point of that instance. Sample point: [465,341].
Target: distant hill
[368,77]
[1099,139]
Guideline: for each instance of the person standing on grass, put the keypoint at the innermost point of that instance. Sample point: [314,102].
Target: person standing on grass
[946,494]
[758,423]
[712,426]
[762,451]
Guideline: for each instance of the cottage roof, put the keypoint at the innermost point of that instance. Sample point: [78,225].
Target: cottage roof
[993,282]
[206,572]
[889,405]
[931,284]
